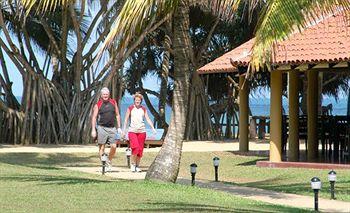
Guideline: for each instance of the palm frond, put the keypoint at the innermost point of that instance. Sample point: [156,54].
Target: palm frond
[45,5]
[281,18]
[225,9]
[133,19]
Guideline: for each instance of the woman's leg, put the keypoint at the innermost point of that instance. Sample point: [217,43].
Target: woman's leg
[141,137]
[134,145]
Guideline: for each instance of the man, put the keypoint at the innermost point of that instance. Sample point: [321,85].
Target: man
[106,113]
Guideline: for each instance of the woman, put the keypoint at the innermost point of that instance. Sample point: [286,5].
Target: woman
[137,130]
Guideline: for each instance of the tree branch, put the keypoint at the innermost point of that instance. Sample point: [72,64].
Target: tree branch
[100,38]
[123,57]
[94,21]
[151,92]
[206,43]
[78,55]
[49,33]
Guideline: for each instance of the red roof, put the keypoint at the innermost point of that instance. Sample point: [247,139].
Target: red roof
[326,41]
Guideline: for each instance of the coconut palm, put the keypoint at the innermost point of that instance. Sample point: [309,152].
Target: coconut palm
[348,105]
[279,19]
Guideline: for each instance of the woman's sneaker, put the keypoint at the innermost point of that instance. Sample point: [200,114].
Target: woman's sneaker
[133,167]
[137,169]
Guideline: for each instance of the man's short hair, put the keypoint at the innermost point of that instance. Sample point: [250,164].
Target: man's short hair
[105,90]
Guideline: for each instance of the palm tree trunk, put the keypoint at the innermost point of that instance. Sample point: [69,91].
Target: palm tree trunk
[348,108]
[166,165]
[164,82]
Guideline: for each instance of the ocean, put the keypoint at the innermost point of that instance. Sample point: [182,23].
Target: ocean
[258,106]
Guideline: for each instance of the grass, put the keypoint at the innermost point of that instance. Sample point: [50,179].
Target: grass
[242,170]
[234,169]
[34,183]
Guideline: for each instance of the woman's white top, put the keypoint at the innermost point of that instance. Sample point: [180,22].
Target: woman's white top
[137,114]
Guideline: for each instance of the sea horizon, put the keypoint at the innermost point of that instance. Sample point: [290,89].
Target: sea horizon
[259,106]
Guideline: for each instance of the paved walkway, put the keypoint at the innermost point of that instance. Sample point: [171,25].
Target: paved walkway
[267,196]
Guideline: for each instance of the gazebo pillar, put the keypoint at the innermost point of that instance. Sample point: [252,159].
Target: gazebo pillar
[243,114]
[293,143]
[276,116]
[312,111]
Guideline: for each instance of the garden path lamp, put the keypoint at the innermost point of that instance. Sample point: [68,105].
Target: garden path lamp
[216,162]
[193,171]
[104,158]
[316,186]
[332,177]
[128,154]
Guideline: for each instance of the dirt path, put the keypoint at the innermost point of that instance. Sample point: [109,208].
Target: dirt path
[191,146]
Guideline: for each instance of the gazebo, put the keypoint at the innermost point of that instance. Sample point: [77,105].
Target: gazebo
[323,46]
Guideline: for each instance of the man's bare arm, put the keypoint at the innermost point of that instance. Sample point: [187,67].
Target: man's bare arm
[93,120]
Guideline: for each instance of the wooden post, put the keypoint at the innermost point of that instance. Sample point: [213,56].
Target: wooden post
[312,111]
[243,114]
[293,148]
[276,117]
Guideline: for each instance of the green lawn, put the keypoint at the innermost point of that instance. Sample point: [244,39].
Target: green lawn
[34,183]
[234,169]
[242,170]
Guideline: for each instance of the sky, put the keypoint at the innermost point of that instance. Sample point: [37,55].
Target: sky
[150,82]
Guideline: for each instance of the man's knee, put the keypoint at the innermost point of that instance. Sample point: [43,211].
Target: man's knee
[113,145]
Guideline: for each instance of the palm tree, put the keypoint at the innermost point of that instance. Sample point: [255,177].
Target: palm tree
[348,105]
[277,21]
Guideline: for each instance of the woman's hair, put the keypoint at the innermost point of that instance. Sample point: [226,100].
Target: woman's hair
[137,95]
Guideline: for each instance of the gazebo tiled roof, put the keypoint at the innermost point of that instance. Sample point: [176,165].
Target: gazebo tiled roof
[326,41]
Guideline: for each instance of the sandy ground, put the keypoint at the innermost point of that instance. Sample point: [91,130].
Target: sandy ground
[190,146]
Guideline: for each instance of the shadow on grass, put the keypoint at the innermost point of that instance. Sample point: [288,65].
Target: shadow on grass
[49,179]
[295,188]
[191,207]
[274,184]
[249,163]
[263,153]
[247,191]
[47,161]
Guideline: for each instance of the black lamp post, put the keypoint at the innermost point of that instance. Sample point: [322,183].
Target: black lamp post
[104,160]
[332,177]
[316,186]
[128,154]
[216,162]
[193,171]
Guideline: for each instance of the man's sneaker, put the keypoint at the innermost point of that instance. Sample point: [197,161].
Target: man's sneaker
[137,169]
[133,168]
[108,166]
